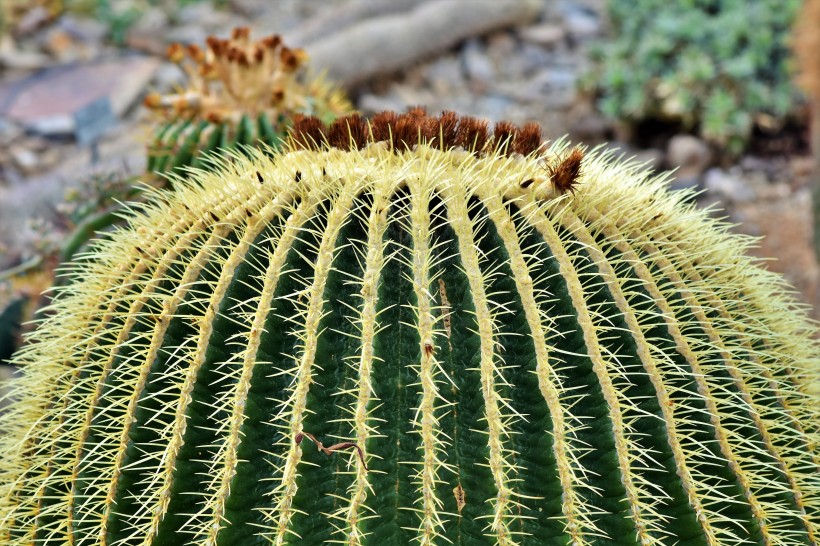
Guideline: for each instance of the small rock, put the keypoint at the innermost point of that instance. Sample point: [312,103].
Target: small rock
[532,58]
[728,186]
[684,183]
[477,65]
[24,60]
[691,154]
[651,157]
[60,44]
[581,22]
[545,34]
[9,132]
[772,192]
[590,127]
[493,107]
[553,86]
[202,14]
[33,19]
[83,29]
[802,169]
[25,160]
[444,74]
[149,32]
[57,126]
[370,103]
[501,49]
[46,102]
[168,76]
[186,34]
[410,95]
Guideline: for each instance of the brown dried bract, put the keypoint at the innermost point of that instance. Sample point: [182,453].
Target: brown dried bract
[565,173]
[348,132]
[309,132]
[404,131]
[527,139]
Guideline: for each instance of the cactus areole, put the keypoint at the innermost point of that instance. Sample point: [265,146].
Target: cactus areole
[416,330]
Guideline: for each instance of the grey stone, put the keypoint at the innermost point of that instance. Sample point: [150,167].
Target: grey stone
[200,13]
[475,62]
[444,74]
[24,60]
[371,103]
[590,127]
[580,21]
[728,186]
[168,76]
[553,86]
[84,29]
[502,50]
[24,159]
[46,102]
[32,20]
[493,107]
[57,126]
[685,183]
[9,132]
[545,34]
[689,153]
[532,57]
[186,34]
[650,157]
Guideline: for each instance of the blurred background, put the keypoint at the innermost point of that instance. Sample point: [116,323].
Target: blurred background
[718,91]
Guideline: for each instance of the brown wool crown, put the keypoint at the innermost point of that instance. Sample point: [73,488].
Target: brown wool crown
[403,131]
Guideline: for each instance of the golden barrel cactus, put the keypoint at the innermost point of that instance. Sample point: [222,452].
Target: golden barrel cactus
[416,330]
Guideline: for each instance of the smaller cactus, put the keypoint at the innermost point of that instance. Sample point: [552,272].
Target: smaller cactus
[239,93]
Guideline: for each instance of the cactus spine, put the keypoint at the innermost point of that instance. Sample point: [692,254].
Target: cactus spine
[443,336]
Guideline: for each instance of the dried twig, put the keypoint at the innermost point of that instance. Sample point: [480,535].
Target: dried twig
[332,449]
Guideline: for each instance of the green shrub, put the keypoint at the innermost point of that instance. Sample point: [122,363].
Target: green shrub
[716,66]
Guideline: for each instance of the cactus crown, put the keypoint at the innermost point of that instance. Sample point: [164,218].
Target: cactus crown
[239,93]
[407,335]
[236,76]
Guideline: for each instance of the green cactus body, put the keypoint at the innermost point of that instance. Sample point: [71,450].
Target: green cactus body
[385,346]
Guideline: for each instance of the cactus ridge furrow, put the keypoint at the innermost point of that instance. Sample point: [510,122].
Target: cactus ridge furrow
[736,436]
[490,363]
[124,376]
[777,483]
[80,393]
[432,401]
[223,466]
[312,315]
[393,343]
[544,381]
[367,323]
[664,501]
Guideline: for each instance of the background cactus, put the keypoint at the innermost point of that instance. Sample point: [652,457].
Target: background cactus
[238,93]
[448,335]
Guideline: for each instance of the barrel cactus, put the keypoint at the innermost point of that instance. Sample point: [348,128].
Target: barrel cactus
[238,92]
[415,329]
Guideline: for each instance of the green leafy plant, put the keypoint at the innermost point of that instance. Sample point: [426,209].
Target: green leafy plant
[417,330]
[716,66]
